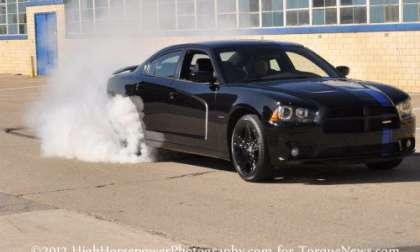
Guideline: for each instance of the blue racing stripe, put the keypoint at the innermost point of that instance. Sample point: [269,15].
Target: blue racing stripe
[380,97]
[384,100]
[386,136]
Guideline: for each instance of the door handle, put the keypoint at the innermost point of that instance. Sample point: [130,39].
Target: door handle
[139,86]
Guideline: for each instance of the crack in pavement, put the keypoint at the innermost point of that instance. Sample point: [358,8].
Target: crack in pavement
[195,174]
[101,186]
[67,189]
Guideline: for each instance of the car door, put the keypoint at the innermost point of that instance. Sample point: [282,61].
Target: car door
[192,104]
[155,90]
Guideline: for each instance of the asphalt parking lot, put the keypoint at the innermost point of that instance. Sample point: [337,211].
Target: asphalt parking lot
[190,200]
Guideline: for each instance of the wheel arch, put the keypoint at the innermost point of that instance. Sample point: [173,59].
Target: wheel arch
[238,112]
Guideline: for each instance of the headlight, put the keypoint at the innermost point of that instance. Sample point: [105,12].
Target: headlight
[405,109]
[292,114]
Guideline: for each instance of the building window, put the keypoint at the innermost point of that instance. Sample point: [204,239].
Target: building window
[167,19]
[12,17]
[101,16]
[186,14]
[206,14]
[272,13]
[324,12]
[149,14]
[133,14]
[98,16]
[226,14]
[87,16]
[72,17]
[411,10]
[384,11]
[297,12]
[249,13]
[353,12]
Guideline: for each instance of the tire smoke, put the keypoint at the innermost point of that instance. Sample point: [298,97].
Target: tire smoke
[75,118]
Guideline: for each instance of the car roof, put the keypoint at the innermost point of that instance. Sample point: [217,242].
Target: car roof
[232,43]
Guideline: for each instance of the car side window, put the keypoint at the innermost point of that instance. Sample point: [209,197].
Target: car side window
[232,67]
[164,66]
[195,62]
[274,65]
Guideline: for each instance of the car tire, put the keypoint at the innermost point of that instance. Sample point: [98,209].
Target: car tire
[388,165]
[249,150]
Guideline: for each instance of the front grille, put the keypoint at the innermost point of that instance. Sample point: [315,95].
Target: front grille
[368,150]
[367,119]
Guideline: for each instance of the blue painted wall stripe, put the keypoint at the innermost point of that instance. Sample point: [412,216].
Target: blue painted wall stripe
[14,37]
[43,2]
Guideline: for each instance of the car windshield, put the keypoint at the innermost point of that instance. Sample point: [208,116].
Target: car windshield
[253,64]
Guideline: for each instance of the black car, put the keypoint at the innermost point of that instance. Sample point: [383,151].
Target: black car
[264,105]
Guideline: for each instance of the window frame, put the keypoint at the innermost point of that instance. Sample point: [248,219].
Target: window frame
[249,13]
[287,11]
[194,50]
[272,12]
[235,13]
[149,63]
[212,15]
[286,17]
[384,6]
[20,12]
[192,16]
[353,8]
[403,7]
[324,8]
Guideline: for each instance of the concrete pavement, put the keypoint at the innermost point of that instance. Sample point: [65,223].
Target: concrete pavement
[193,200]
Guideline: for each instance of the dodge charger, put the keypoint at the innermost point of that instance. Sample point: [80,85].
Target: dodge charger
[263,105]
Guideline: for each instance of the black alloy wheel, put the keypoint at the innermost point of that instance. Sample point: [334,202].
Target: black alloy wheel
[248,150]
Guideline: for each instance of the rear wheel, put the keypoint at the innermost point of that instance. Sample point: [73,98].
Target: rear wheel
[388,165]
[249,151]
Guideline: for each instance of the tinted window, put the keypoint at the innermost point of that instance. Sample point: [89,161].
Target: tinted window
[164,66]
[303,64]
[272,63]
[195,62]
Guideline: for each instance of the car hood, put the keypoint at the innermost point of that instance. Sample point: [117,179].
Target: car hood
[336,92]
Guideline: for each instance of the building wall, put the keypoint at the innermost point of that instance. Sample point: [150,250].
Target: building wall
[388,57]
[15,57]
[15,54]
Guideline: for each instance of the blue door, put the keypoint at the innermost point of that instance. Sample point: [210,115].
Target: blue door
[46,42]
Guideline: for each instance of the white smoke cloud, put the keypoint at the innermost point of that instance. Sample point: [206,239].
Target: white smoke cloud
[75,118]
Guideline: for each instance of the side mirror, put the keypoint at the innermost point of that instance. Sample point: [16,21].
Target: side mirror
[203,76]
[343,70]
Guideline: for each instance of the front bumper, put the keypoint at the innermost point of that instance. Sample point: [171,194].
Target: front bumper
[316,146]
